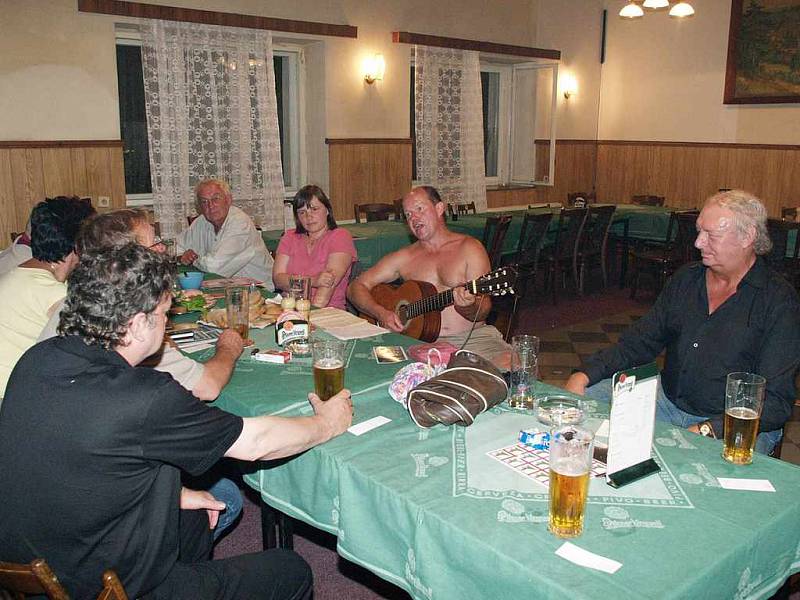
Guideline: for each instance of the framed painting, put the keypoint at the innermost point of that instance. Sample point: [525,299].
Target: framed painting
[763,52]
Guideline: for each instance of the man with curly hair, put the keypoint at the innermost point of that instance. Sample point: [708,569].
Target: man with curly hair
[93,446]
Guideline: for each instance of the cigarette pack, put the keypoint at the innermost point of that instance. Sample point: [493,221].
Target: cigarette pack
[280,357]
[534,438]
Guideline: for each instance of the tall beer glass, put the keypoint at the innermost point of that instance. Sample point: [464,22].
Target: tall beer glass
[238,310]
[570,464]
[524,371]
[328,357]
[744,401]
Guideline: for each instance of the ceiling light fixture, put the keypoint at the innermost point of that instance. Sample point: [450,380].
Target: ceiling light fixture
[681,9]
[631,11]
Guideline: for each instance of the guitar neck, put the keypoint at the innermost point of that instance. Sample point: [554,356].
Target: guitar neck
[438,301]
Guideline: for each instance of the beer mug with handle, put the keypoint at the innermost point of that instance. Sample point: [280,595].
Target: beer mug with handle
[744,401]
[570,466]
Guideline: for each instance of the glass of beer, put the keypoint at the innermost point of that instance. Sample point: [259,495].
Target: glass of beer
[328,358]
[570,464]
[744,400]
[524,371]
[238,309]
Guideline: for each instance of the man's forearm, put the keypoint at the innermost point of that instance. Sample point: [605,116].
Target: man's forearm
[362,298]
[217,372]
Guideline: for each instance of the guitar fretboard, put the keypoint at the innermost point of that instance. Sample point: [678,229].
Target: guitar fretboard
[438,301]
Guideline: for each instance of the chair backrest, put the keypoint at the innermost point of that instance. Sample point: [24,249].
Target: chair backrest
[35,578]
[570,222]
[112,587]
[531,238]
[494,234]
[686,221]
[465,209]
[373,212]
[594,234]
[399,213]
[788,213]
[779,234]
[648,200]
[581,199]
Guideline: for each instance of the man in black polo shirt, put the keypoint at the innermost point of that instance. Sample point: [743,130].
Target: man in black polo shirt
[92,448]
[729,313]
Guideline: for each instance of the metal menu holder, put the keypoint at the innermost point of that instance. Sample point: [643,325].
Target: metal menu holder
[631,425]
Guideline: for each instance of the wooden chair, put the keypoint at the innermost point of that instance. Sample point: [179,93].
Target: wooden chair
[529,248]
[112,587]
[788,213]
[494,234]
[664,260]
[593,242]
[648,200]
[373,212]
[399,213]
[784,254]
[466,209]
[35,578]
[581,199]
[563,253]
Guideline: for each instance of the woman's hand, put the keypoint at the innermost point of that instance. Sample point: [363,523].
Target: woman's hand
[324,279]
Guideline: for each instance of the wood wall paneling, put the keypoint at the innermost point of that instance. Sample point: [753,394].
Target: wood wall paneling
[687,174]
[33,171]
[366,171]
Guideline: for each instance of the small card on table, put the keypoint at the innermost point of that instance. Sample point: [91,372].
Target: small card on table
[389,354]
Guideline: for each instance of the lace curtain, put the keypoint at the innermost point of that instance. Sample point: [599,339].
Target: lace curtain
[449,123]
[211,112]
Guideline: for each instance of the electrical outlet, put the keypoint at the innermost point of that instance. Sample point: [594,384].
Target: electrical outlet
[103,201]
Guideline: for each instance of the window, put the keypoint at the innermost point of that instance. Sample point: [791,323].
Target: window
[518,101]
[133,119]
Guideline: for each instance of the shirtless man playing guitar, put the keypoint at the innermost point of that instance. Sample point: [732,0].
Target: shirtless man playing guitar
[445,259]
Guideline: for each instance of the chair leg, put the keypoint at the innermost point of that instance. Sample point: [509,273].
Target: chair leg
[634,279]
[268,521]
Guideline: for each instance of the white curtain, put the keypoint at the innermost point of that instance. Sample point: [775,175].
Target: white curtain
[449,123]
[211,112]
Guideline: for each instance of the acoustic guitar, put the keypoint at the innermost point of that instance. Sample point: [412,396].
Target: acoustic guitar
[419,305]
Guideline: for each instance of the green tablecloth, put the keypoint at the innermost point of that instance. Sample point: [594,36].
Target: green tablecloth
[377,239]
[429,511]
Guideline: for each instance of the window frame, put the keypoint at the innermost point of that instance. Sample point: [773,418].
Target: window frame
[125,35]
[490,63]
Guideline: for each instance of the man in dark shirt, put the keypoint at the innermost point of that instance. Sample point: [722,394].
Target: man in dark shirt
[92,449]
[729,313]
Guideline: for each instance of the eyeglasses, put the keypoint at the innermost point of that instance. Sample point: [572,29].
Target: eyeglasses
[215,199]
[157,242]
[309,209]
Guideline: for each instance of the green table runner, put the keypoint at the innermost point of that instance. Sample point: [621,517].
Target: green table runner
[429,511]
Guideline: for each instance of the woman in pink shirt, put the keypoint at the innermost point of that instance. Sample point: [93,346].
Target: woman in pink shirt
[316,247]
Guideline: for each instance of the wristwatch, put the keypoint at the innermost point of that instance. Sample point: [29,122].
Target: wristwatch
[706,429]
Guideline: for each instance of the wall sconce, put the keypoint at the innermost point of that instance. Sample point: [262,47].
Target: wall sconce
[569,85]
[374,67]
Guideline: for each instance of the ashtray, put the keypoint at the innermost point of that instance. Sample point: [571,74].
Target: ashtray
[560,409]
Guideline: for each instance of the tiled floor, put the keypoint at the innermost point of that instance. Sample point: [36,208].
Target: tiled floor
[562,349]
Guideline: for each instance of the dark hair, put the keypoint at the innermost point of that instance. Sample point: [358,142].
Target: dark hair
[303,196]
[431,192]
[55,224]
[115,228]
[108,288]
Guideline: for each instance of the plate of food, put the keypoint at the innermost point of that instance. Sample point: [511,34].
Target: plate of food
[193,301]
[262,314]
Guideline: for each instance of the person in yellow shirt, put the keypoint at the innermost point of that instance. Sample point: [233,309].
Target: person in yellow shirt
[29,292]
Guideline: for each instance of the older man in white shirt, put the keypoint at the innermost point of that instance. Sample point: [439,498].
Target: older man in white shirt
[223,238]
